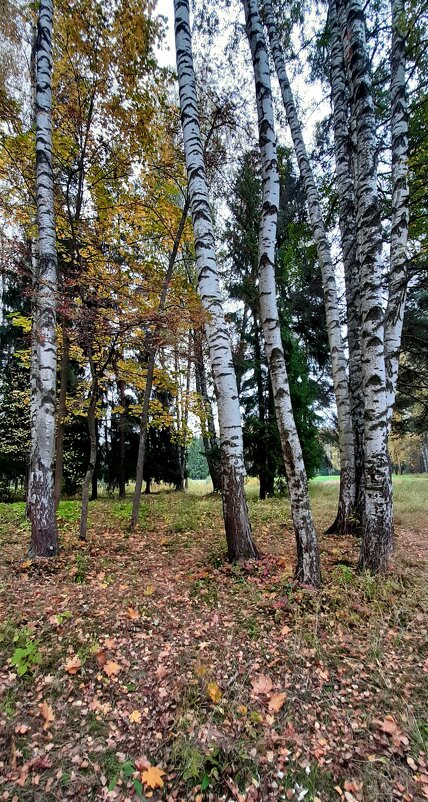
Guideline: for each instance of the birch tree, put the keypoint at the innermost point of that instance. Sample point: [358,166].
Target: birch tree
[377,518]
[44,537]
[308,565]
[337,349]
[343,145]
[400,204]
[238,531]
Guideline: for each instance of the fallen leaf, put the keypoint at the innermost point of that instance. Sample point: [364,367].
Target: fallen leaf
[389,726]
[101,657]
[133,614]
[276,701]
[285,630]
[111,668]
[135,717]
[47,713]
[214,692]
[73,665]
[152,777]
[149,590]
[262,684]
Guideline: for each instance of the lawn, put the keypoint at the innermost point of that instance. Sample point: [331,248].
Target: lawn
[143,666]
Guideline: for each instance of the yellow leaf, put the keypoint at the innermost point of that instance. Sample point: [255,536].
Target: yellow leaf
[47,713]
[149,590]
[276,701]
[111,668]
[201,670]
[73,665]
[214,692]
[135,717]
[153,777]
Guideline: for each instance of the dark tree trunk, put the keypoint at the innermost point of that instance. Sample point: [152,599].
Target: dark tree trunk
[240,545]
[92,428]
[143,438]
[62,408]
[147,490]
[122,450]
[209,437]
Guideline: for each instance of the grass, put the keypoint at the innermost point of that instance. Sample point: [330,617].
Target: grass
[162,607]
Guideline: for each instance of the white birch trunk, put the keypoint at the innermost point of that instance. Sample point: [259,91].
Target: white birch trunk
[377,519]
[400,204]
[308,564]
[238,530]
[343,144]
[337,350]
[44,538]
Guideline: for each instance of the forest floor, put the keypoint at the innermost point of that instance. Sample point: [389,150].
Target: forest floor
[143,666]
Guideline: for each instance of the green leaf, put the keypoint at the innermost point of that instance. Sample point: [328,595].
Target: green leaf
[206,782]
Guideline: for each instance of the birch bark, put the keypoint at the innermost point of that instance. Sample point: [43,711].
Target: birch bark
[400,204]
[343,145]
[308,564]
[238,531]
[337,350]
[44,536]
[377,518]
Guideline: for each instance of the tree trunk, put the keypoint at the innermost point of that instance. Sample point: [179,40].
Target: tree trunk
[41,503]
[348,227]
[261,445]
[400,204]
[144,420]
[308,564]
[238,530]
[377,518]
[92,450]
[94,480]
[122,452]
[209,436]
[150,367]
[61,412]
[337,349]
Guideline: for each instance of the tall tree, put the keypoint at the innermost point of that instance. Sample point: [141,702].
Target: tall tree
[400,203]
[237,525]
[337,349]
[308,564]
[44,536]
[377,517]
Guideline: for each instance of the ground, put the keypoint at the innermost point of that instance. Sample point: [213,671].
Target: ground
[143,666]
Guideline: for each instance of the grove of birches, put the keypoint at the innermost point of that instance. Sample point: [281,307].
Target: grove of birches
[213,400]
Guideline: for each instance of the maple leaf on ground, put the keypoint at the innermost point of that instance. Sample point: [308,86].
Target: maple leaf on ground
[214,692]
[73,665]
[262,684]
[47,713]
[152,777]
[388,725]
[111,668]
[133,614]
[149,590]
[276,701]
[135,717]
[101,657]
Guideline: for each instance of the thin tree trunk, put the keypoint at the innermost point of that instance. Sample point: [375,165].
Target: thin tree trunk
[400,204]
[348,229]
[92,449]
[209,436]
[337,349]
[377,518]
[44,535]
[150,367]
[94,480]
[122,451]
[261,445]
[308,563]
[238,530]
[62,409]
[136,501]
